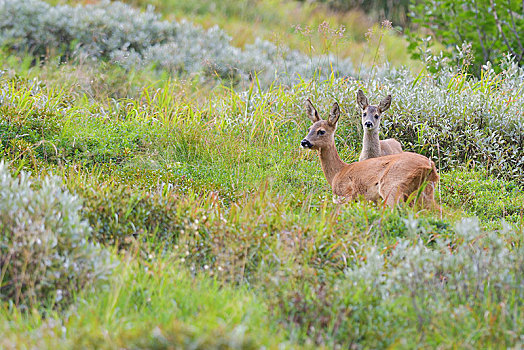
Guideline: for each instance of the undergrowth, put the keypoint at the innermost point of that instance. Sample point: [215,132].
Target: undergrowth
[225,232]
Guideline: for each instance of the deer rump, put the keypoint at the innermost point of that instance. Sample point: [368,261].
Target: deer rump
[393,178]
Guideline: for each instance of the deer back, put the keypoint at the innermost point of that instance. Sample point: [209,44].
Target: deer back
[393,178]
[390,146]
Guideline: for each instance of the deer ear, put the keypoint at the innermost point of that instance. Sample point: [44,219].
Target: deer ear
[311,111]
[362,99]
[385,104]
[334,115]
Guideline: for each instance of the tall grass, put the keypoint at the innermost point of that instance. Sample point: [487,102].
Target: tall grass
[149,305]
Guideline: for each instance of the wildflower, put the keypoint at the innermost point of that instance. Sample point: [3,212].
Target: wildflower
[323,27]
[369,34]
[386,24]
[340,31]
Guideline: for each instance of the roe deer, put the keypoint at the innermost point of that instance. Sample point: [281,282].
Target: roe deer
[371,115]
[393,178]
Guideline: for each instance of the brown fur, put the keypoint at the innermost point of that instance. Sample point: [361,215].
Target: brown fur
[372,147]
[392,178]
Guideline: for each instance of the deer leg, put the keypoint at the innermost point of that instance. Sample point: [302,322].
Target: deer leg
[391,201]
[428,197]
[390,194]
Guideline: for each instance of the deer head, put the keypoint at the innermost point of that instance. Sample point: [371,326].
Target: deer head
[322,132]
[371,115]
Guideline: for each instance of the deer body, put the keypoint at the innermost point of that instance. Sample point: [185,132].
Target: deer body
[392,178]
[372,146]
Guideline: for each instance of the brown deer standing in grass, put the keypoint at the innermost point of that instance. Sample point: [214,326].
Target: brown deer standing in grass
[393,178]
[372,147]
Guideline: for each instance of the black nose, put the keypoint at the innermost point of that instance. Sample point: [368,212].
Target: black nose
[305,143]
[368,124]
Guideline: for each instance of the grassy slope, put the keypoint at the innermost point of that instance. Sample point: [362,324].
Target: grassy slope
[244,240]
[243,204]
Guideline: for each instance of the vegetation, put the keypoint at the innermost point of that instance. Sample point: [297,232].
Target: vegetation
[310,28]
[97,32]
[490,29]
[152,205]
[395,10]
[45,256]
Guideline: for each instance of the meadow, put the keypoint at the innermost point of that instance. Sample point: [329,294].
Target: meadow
[153,194]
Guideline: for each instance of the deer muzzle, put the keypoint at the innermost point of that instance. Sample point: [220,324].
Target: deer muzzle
[305,144]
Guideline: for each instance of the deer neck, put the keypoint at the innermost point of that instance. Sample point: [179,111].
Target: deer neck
[371,144]
[330,162]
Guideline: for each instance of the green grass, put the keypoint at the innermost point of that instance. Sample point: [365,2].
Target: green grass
[224,229]
[228,224]
[150,305]
[491,199]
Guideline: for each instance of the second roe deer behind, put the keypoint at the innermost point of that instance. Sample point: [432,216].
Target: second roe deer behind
[372,146]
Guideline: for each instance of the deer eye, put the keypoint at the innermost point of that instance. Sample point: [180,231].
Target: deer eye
[321,132]
[376,116]
[364,114]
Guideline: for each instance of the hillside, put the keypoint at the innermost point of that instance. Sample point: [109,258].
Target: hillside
[154,193]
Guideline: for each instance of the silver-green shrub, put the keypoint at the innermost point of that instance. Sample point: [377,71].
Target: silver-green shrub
[122,34]
[45,255]
[476,278]
[94,31]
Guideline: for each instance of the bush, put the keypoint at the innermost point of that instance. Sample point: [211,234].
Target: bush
[492,28]
[451,287]
[96,31]
[458,119]
[44,253]
[411,295]
[119,33]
